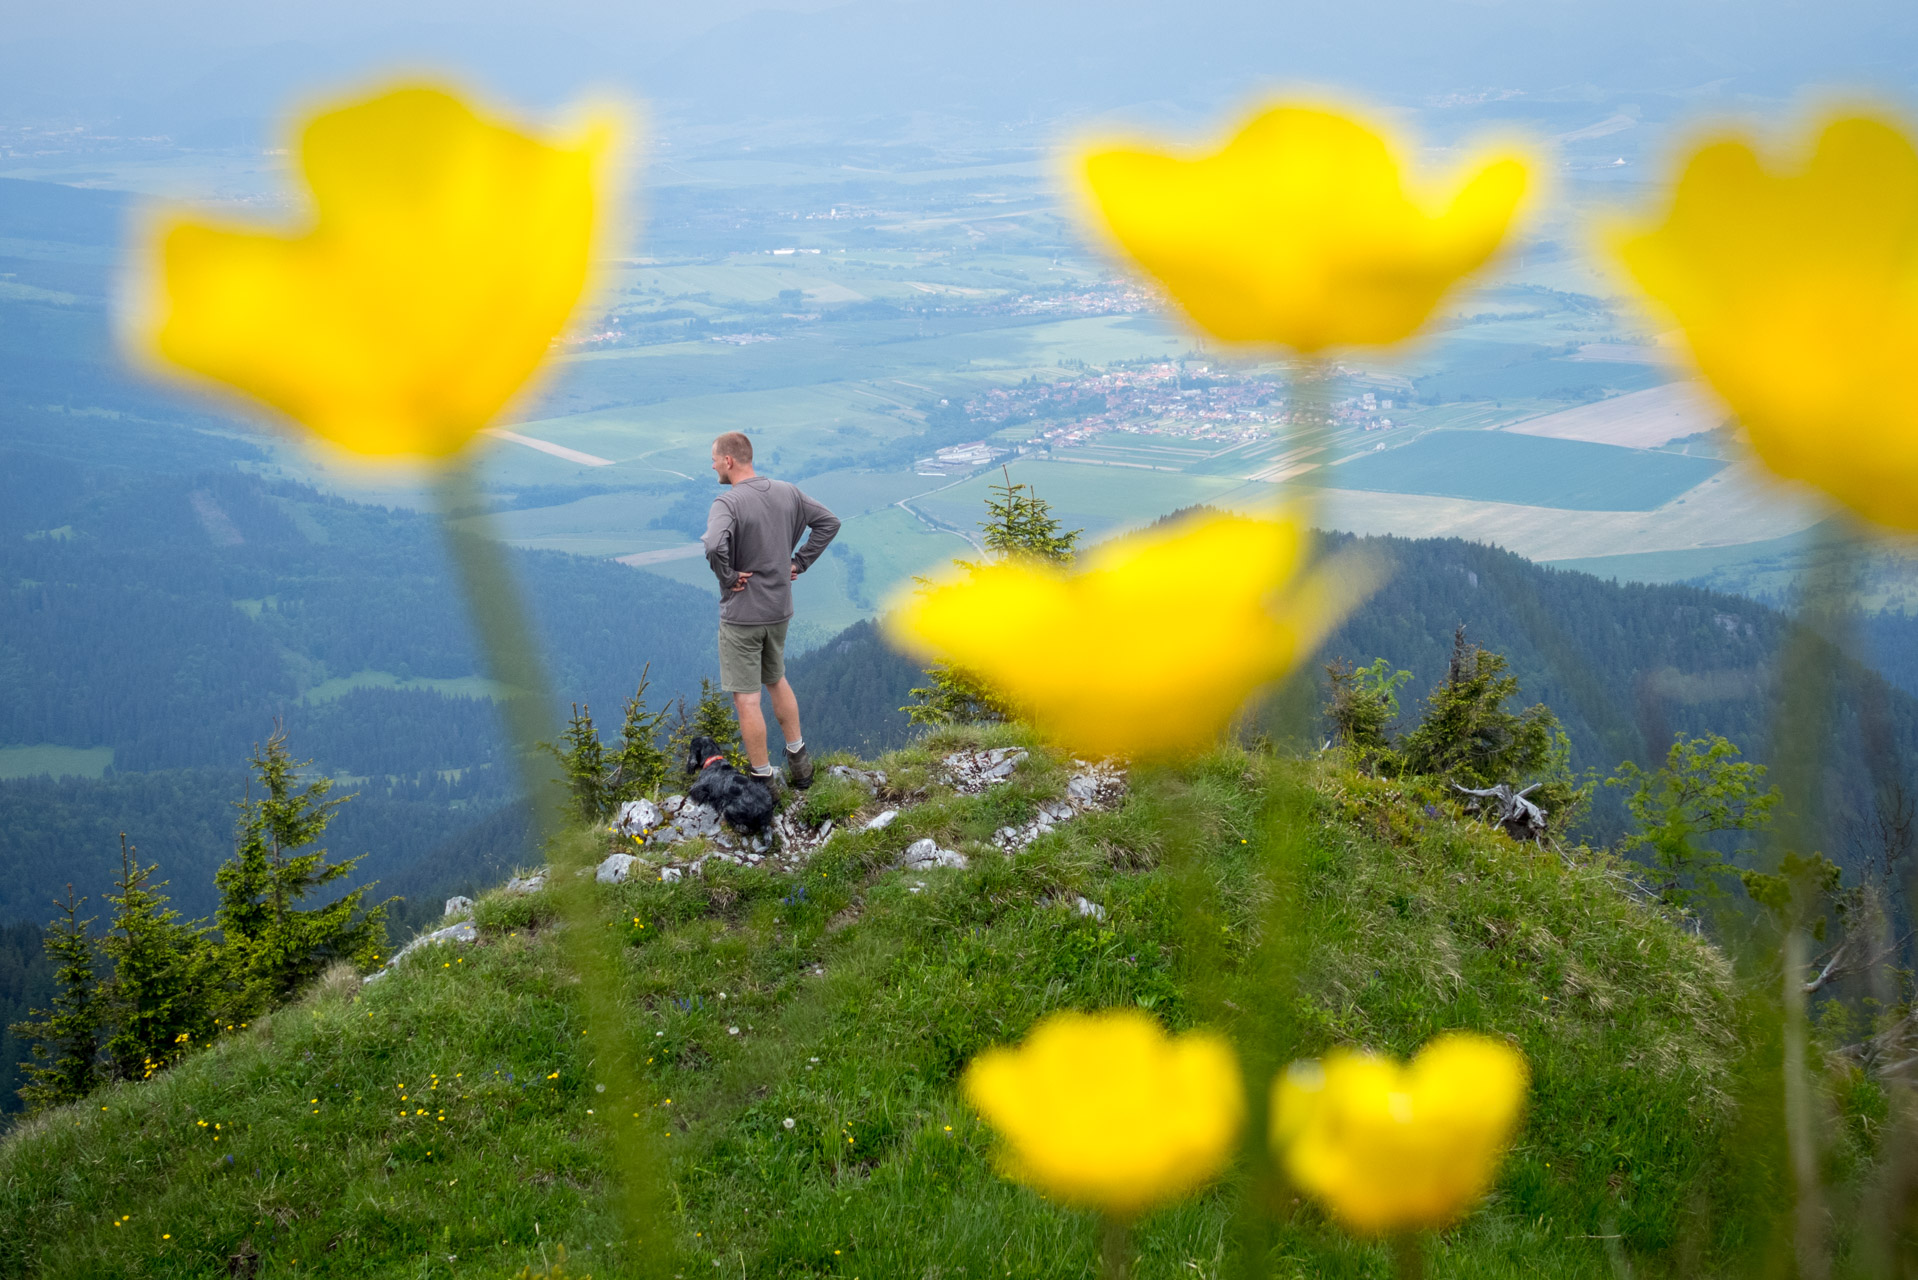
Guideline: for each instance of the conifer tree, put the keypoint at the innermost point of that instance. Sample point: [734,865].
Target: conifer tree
[269,947]
[1020,526]
[1467,735]
[66,1038]
[582,761]
[640,764]
[157,996]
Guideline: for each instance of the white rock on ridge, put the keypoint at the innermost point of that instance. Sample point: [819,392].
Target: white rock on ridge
[615,869]
[637,817]
[670,874]
[883,821]
[922,854]
[973,771]
[1086,907]
[531,884]
[461,932]
[873,778]
[459,904]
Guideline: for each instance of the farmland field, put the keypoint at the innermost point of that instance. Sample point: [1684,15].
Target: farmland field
[1639,420]
[1533,470]
[59,762]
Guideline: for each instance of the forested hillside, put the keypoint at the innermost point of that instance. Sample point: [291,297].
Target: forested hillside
[1624,666]
[175,619]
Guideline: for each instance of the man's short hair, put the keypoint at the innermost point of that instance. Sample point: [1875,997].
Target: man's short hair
[734,445]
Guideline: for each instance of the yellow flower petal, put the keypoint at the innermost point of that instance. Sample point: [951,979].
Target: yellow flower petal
[1300,230]
[1391,1148]
[446,253]
[1152,644]
[1798,293]
[1106,1110]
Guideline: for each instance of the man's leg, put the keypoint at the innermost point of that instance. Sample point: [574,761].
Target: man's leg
[752,728]
[785,710]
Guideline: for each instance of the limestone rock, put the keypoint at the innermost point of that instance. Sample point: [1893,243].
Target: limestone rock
[921,854]
[884,820]
[459,905]
[530,884]
[461,932]
[637,817]
[615,869]
[974,771]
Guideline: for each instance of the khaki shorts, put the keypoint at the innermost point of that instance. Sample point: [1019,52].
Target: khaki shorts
[751,656]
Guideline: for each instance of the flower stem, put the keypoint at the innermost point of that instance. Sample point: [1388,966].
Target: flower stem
[510,654]
[1309,405]
[1115,1249]
[1808,689]
[1801,1128]
[1408,1256]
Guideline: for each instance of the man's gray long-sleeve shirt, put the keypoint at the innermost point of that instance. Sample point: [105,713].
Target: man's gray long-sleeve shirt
[752,528]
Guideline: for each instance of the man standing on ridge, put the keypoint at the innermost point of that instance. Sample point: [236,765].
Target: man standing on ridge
[750,533]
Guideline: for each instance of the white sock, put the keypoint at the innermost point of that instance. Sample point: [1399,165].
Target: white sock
[794,748]
[764,771]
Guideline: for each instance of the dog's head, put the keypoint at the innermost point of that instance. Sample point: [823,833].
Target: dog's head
[699,751]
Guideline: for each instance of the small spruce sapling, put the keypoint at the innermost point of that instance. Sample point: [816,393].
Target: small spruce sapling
[584,766]
[1701,790]
[1019,524]
[640,764]
[157,998]
[269,947]
[1467,735]
[65,1039]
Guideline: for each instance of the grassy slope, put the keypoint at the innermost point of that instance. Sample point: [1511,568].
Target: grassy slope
[857,1002]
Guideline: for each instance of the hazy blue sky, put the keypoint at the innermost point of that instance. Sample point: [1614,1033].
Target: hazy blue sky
[220,70]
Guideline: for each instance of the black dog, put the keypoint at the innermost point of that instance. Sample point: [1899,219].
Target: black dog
[743,801]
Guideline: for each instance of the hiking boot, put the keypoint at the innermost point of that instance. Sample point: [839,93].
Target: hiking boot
[799,768]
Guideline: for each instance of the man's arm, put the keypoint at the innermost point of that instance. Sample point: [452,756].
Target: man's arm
[718,543]
[824,526]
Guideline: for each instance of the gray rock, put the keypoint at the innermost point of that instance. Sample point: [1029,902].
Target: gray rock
[883,821]
[637,817]
[459,905]
[671,874]
[531,884]
[1085,907]
[921,854]
[615,869]
[690,822]
[461,932]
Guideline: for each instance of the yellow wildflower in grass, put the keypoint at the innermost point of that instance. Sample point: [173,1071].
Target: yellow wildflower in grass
[1106,1110]
[1152,643]
[1391,1148]
[1798,292]
[445,255]
[1300,231]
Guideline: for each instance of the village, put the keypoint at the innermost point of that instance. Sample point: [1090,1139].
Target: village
[1179,399]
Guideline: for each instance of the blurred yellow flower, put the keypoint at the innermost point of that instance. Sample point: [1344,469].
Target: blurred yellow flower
[1390,1147]
[1152,643]
[445,255]
[1106,1110]
[1300,231]
[1798,292]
